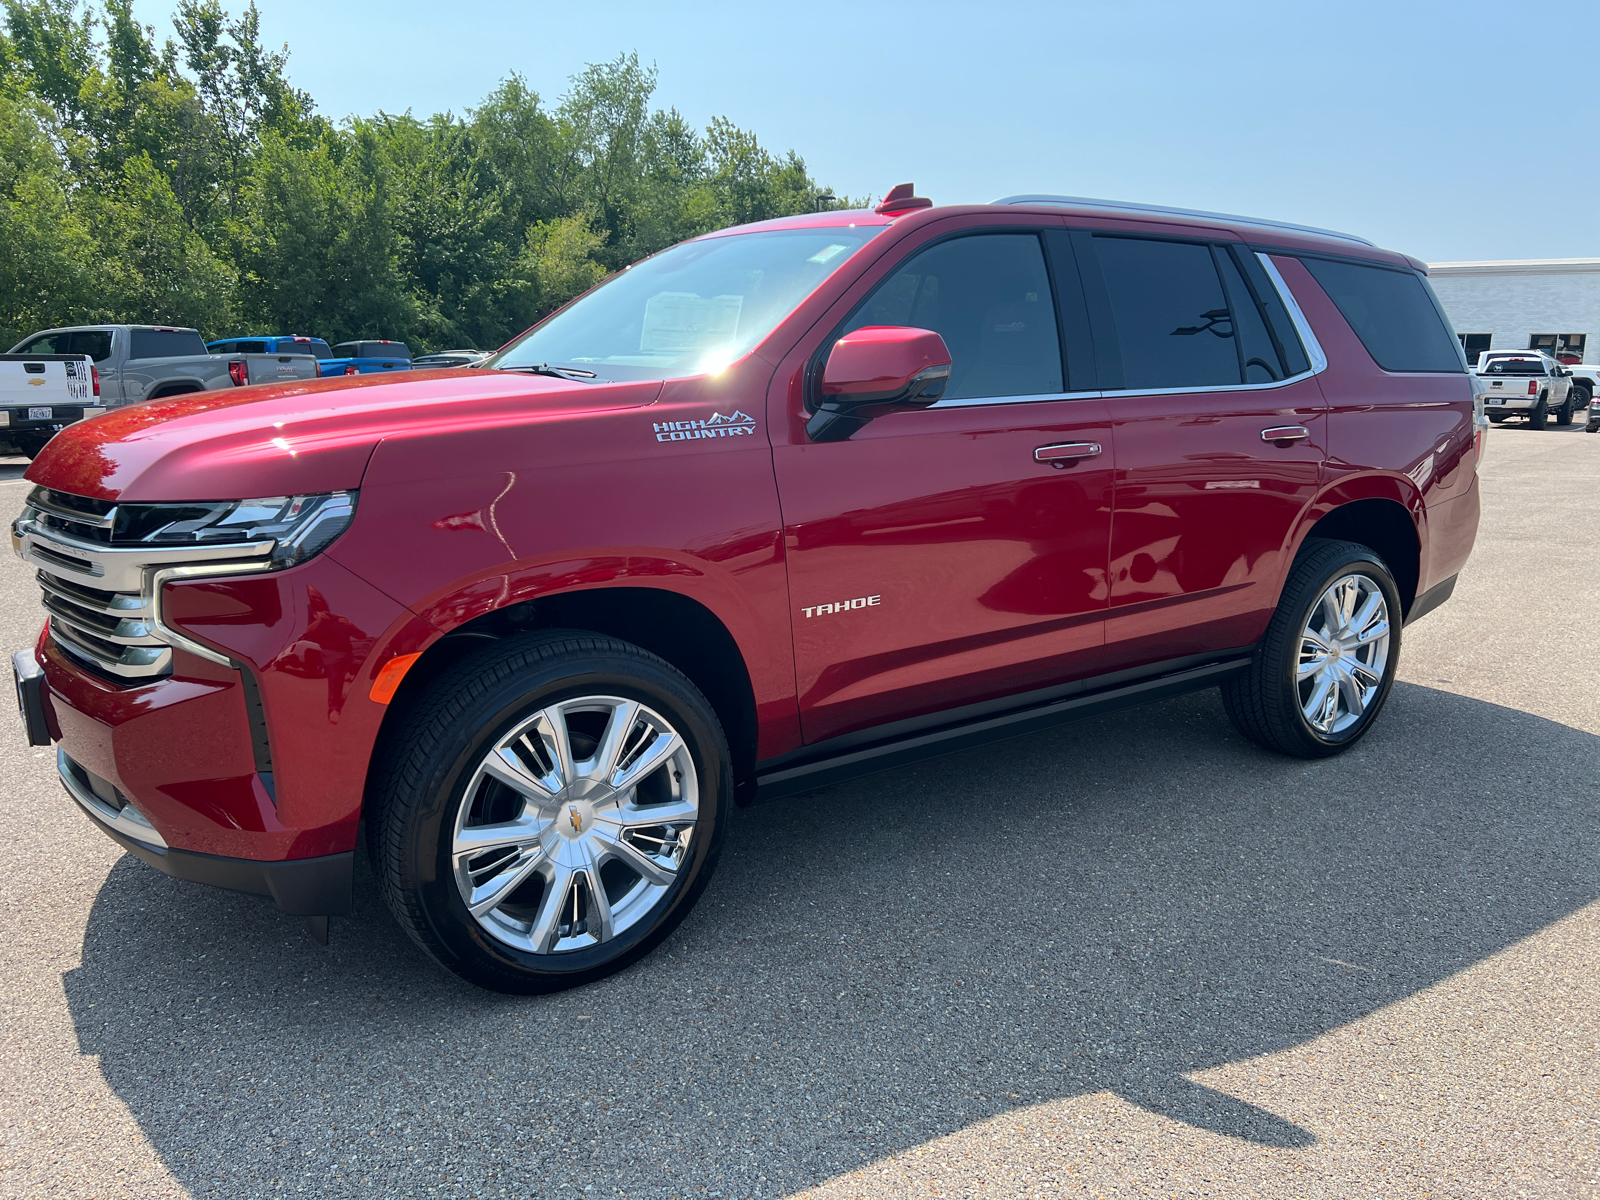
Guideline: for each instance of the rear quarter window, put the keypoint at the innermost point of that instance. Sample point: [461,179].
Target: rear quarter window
[165,343]
[1393,312]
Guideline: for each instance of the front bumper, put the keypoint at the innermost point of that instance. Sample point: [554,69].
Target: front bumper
[312,887]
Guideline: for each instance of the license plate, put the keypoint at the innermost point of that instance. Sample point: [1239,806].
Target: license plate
[40,414]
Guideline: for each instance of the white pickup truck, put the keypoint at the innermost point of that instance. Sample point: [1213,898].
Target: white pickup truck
[39,394]
[1527,383]
[148,362]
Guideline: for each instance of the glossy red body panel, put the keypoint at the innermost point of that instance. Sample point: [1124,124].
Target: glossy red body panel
[505,514]
[1205,516]
[1407,437]
[993,573]
[290,439]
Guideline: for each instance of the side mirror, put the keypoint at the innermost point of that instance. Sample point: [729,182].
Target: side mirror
[878,370]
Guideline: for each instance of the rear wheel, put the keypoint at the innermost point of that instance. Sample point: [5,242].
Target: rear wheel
[1326,666]
[554,810]
[1564,413]
[1538,413]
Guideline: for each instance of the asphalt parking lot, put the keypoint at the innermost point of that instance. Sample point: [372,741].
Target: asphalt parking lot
[1134,956]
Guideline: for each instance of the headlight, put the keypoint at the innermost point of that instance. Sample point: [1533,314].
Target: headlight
[298,526]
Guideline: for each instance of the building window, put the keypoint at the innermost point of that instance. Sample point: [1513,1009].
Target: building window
[1474,344]
[1563,347]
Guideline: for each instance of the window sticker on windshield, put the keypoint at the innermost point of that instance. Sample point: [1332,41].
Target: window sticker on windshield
[827,252]
[679,321]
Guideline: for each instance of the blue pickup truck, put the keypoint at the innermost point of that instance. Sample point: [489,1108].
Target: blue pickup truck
[347,358]
[286,344]
[368,358]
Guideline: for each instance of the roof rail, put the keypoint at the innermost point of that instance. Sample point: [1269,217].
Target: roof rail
[1125,206]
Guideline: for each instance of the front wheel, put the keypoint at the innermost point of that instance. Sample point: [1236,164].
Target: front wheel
[553,809]
[1321,674]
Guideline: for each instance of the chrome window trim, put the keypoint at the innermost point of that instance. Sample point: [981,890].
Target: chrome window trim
[1314,351]
[1037,398]
[1319,360]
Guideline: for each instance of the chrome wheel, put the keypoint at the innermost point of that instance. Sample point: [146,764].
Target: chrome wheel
[575,824]
[1344,654]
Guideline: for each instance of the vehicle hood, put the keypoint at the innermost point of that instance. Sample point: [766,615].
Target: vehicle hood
[297,438]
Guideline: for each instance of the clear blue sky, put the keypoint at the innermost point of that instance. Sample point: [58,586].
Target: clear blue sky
[1374,118]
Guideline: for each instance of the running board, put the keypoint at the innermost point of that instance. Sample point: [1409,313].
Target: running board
[788,781]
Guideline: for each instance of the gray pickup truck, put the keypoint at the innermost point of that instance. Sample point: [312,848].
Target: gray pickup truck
[149,362]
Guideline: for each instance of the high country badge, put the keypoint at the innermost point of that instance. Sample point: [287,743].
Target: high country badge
[715,426]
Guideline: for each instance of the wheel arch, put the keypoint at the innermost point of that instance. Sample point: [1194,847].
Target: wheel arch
[1385,519]
[174,388]
[677,628]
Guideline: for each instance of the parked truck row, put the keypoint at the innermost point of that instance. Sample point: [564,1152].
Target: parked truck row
[60,376]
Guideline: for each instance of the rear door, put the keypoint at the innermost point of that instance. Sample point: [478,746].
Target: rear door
[934,561]
[1220,435]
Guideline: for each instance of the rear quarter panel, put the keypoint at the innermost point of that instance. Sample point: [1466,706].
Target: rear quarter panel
[1407,437]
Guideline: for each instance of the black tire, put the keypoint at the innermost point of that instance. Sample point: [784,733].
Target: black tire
[1264,701]
[1496,418]
[1564,413]
[435,750]
[31,444]
[1537,414]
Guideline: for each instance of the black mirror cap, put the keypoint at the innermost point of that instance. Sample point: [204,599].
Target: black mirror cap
[838,417]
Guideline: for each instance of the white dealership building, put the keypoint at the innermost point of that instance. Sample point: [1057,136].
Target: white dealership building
[1549,304]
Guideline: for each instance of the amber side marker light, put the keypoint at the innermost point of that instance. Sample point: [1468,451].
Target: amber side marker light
[389,677]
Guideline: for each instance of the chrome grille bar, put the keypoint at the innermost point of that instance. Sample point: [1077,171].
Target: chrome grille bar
[103,600]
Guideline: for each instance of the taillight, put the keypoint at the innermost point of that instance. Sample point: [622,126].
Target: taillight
[239,372]
[1533,387]
[94,374]
[352,369]
[316,370]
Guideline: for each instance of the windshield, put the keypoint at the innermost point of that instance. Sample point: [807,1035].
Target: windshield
[691,309]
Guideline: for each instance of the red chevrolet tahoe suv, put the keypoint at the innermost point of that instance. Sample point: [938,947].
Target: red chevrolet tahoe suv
[784,503]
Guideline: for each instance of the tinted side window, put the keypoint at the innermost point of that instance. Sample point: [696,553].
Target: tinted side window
[164,343]
[1173,323]
[1393,313]
[988,296]
[45,343]
[96,343]
[1259,360]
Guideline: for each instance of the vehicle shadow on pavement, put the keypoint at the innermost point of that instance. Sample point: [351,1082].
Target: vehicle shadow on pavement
[1112,906]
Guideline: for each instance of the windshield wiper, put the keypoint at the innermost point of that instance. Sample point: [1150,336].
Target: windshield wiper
[554,372]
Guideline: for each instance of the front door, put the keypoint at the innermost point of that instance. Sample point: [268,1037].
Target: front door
[1220,433]
[934,560]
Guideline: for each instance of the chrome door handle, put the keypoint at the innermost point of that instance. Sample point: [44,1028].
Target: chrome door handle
[1066,453]
[1285,433]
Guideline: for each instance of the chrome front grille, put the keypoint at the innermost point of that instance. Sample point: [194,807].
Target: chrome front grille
[104,598]
[109,630]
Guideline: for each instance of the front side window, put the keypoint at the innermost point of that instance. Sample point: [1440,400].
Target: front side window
[988,295]
[691,309]
[96,343]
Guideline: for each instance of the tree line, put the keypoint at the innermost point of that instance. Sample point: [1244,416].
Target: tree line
[190,183]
